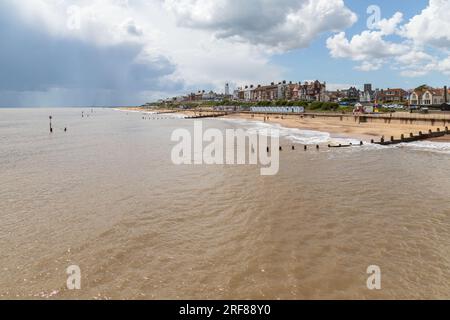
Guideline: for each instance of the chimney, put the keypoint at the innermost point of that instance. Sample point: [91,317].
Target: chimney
[445,94]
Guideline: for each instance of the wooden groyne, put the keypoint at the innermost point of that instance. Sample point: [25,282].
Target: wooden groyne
[403,139]
[413,138]
[204,116]
[167,112]
[346,145]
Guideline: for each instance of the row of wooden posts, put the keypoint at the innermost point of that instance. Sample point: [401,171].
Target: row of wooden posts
[412,138]
[317,147]
[51,125]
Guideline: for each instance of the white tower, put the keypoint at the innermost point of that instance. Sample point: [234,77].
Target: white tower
[227,89]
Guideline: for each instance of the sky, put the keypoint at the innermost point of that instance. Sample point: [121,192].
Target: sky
[129,52]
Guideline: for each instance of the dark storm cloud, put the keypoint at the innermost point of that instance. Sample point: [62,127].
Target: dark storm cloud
[32,59]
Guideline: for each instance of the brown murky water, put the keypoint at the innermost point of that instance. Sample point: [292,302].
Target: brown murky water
[105,196]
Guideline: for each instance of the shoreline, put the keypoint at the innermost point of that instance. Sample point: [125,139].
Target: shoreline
[346,128]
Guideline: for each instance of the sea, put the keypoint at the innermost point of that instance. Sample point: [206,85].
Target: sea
[105,196]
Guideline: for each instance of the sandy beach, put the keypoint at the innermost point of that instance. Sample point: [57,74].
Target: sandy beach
[348,127]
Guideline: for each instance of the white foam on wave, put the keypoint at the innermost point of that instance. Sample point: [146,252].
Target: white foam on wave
[174,115]
[429,146]
[155,114]
[127,111]
[312,137]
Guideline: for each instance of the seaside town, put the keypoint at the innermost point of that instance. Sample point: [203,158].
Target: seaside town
[314,94]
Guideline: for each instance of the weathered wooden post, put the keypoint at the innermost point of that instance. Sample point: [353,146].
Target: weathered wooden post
[392,138]
[372,141]
[293,148]
[402,137]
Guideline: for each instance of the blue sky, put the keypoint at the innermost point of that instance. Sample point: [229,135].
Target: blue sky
[128,52]
[315,61]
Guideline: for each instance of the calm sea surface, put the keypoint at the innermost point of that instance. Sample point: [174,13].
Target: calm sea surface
[105,196]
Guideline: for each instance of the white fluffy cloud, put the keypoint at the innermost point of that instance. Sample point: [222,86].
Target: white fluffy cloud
[282,24]
[369,48]
[431,26]
[422,48]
